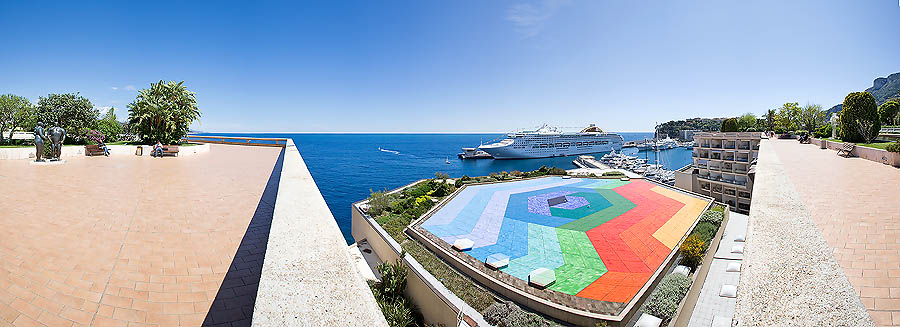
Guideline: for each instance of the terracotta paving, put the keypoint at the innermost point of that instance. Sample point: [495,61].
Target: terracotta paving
[856,204]
[131,241]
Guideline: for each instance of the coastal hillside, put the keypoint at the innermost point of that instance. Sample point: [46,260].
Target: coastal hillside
[883,88]
[672,128]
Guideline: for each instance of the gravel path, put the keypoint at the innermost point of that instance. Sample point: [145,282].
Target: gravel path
[791,277]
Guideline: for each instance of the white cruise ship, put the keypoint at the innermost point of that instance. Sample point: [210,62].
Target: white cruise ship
[550,142]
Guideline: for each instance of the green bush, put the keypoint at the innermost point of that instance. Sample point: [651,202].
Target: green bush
[859,109]
[823,131]
[508,314]
[664,300]
[614,173]
[887,112]
[379,201]
[729,125]
[706,231]
[713,216]
[388,293]
[893,147]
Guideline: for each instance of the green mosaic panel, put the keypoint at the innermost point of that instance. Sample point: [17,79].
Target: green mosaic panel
[583,266]
[619,206]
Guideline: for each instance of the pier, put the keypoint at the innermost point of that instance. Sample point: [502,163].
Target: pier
[589,162]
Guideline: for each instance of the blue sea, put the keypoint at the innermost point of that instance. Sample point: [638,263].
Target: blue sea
[346,167]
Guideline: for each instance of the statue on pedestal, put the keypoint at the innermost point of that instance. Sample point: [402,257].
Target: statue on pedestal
[57,137]
[835,122]
[39,138]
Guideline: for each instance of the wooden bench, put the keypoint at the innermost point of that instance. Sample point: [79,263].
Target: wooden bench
[93,150]
[170,150]
[846,149]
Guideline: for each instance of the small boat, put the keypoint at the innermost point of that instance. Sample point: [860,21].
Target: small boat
[448,160]
[473,153]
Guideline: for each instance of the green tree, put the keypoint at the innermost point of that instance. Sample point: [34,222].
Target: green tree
[811,116]
[887,112]
[71,111]
[859,118]
[729,125]
[15,112]
[788,117]
[109,126]
[770,119]
[163,113]
[746,122]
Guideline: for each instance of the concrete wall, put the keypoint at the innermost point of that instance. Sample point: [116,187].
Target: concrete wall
[308,277]
[872,154]
[78,151]
[437,304]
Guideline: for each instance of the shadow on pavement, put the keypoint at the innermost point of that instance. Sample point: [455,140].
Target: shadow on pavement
[233,305]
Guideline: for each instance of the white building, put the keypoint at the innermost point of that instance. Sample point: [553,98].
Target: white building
[722,168]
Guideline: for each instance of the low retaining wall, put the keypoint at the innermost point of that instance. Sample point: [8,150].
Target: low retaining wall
[308,277]
[114,150]
[437,304]
[871,154]
[686,308]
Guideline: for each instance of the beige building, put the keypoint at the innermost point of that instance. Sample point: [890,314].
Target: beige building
[722,168]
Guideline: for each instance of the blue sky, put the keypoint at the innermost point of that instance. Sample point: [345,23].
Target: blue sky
[452,66]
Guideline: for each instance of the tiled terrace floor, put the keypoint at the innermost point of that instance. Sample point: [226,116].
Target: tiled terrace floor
[125,240]
[856,204]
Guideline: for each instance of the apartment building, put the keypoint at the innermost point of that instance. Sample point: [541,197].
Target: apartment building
[723,168]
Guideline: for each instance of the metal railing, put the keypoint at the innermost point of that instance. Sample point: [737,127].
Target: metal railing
[234,140]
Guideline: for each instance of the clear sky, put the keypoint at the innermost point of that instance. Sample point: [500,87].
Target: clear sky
[452,66]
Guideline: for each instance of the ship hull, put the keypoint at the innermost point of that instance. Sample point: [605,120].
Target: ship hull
[529,147]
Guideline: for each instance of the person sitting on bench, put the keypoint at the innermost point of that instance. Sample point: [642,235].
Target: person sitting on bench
[102,146]
[157,150]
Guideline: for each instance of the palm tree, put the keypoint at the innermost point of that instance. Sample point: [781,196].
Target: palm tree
[164,112]
[770,119]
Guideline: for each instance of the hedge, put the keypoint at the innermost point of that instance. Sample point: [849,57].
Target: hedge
[664,301]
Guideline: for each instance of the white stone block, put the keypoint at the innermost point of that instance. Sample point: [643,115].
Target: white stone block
[729,291]
[733,267]
[463,244]
[737,249]
[739,238]
[647,320]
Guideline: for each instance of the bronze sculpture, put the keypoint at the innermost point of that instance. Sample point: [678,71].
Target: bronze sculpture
[39,138]
[57,137]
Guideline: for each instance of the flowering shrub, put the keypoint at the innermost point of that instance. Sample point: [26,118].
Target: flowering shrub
[94,136]
[692,251]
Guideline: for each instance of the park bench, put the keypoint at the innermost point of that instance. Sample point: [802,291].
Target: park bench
[93,150]
[845,149]
[170,150]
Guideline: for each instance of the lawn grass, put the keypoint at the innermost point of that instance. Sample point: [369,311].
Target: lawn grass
[877,144]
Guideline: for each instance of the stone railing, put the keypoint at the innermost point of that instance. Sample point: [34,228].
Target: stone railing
[308,276]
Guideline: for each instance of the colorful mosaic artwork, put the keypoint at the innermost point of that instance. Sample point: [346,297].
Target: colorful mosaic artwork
[602,238]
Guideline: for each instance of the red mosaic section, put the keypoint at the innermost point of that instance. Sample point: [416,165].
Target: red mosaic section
[627,246]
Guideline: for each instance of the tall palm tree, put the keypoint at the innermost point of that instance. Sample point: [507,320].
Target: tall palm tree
[164,112]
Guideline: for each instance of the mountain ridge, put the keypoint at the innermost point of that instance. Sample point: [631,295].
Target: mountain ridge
[883,89]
